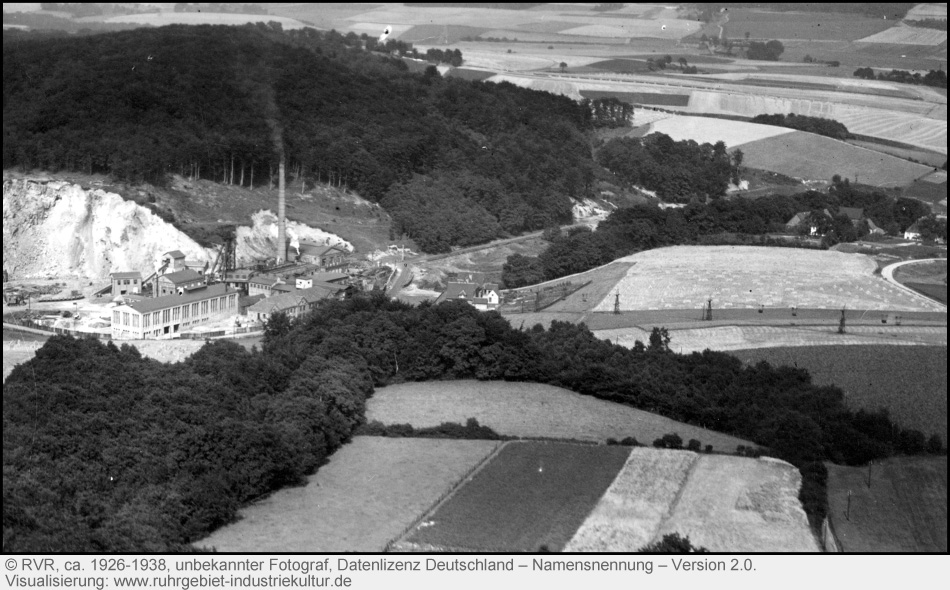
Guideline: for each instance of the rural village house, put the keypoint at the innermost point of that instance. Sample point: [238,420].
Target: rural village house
[158,316]
[484,297]
[912,232]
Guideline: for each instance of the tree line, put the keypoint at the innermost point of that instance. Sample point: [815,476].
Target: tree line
[677,171]
[818,125]
[224,103]
[646,226]
[935,78]
[106,451]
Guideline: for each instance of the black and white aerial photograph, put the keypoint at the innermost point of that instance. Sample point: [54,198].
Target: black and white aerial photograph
[479,278]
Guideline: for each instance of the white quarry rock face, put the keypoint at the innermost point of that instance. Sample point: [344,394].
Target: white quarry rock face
[259,240]
[59,229]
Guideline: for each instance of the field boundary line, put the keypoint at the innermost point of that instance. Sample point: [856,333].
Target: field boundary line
[676,499]
[445,496]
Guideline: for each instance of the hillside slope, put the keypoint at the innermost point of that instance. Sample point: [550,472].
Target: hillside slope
[455,162]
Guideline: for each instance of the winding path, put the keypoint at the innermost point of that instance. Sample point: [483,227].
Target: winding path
[888,273]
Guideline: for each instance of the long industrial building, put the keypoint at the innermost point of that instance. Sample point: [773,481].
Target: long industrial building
[160,316]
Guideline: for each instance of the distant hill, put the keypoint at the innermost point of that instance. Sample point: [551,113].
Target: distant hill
[454,162]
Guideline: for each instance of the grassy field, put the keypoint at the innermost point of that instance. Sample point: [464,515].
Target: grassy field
[530,495]
[469,74]
[529,410]
[709,130]
[936,292]
[925,157]
[741,505]
[935,194]
[737,277]
[910,382]
[636,503]
[814,157]
[907,35]
[894,119]
[904,510]
[371,491]
[801,25]
[933,272]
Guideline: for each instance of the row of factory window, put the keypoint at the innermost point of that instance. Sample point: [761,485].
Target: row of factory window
[174,314]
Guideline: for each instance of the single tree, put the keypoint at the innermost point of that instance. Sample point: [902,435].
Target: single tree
[563,66]
[672,543]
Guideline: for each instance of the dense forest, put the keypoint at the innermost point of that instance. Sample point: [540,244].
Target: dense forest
[225,103]
[642,227]
[677,171]
[106,451]
[818,125]
[935,78]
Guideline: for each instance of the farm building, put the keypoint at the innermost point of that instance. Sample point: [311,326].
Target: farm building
[124,283]
[484,297]
[327,258]
[912,232]
[171,314]
[796,222]
[177,283]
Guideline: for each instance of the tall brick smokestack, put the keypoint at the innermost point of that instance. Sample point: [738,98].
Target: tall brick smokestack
[281,214]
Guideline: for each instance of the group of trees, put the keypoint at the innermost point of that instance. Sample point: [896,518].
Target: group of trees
[452,57]
[677,170]
[818,125]
[769,51]
[643,227]
[222,103]
[936,78]
[107,451]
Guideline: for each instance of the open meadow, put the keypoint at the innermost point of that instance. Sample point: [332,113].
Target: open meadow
[802,25]
[910,382]
[371,491]
[904,510]
[636,503]
[530,496]
[815,157]
[907,35]
[708,130]
[685,277]
[742,505]
[530,410]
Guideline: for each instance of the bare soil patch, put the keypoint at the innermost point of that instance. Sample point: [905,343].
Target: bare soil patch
[742,505]
[530,496]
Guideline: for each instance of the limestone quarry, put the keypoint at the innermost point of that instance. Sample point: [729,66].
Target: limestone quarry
[58,229]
